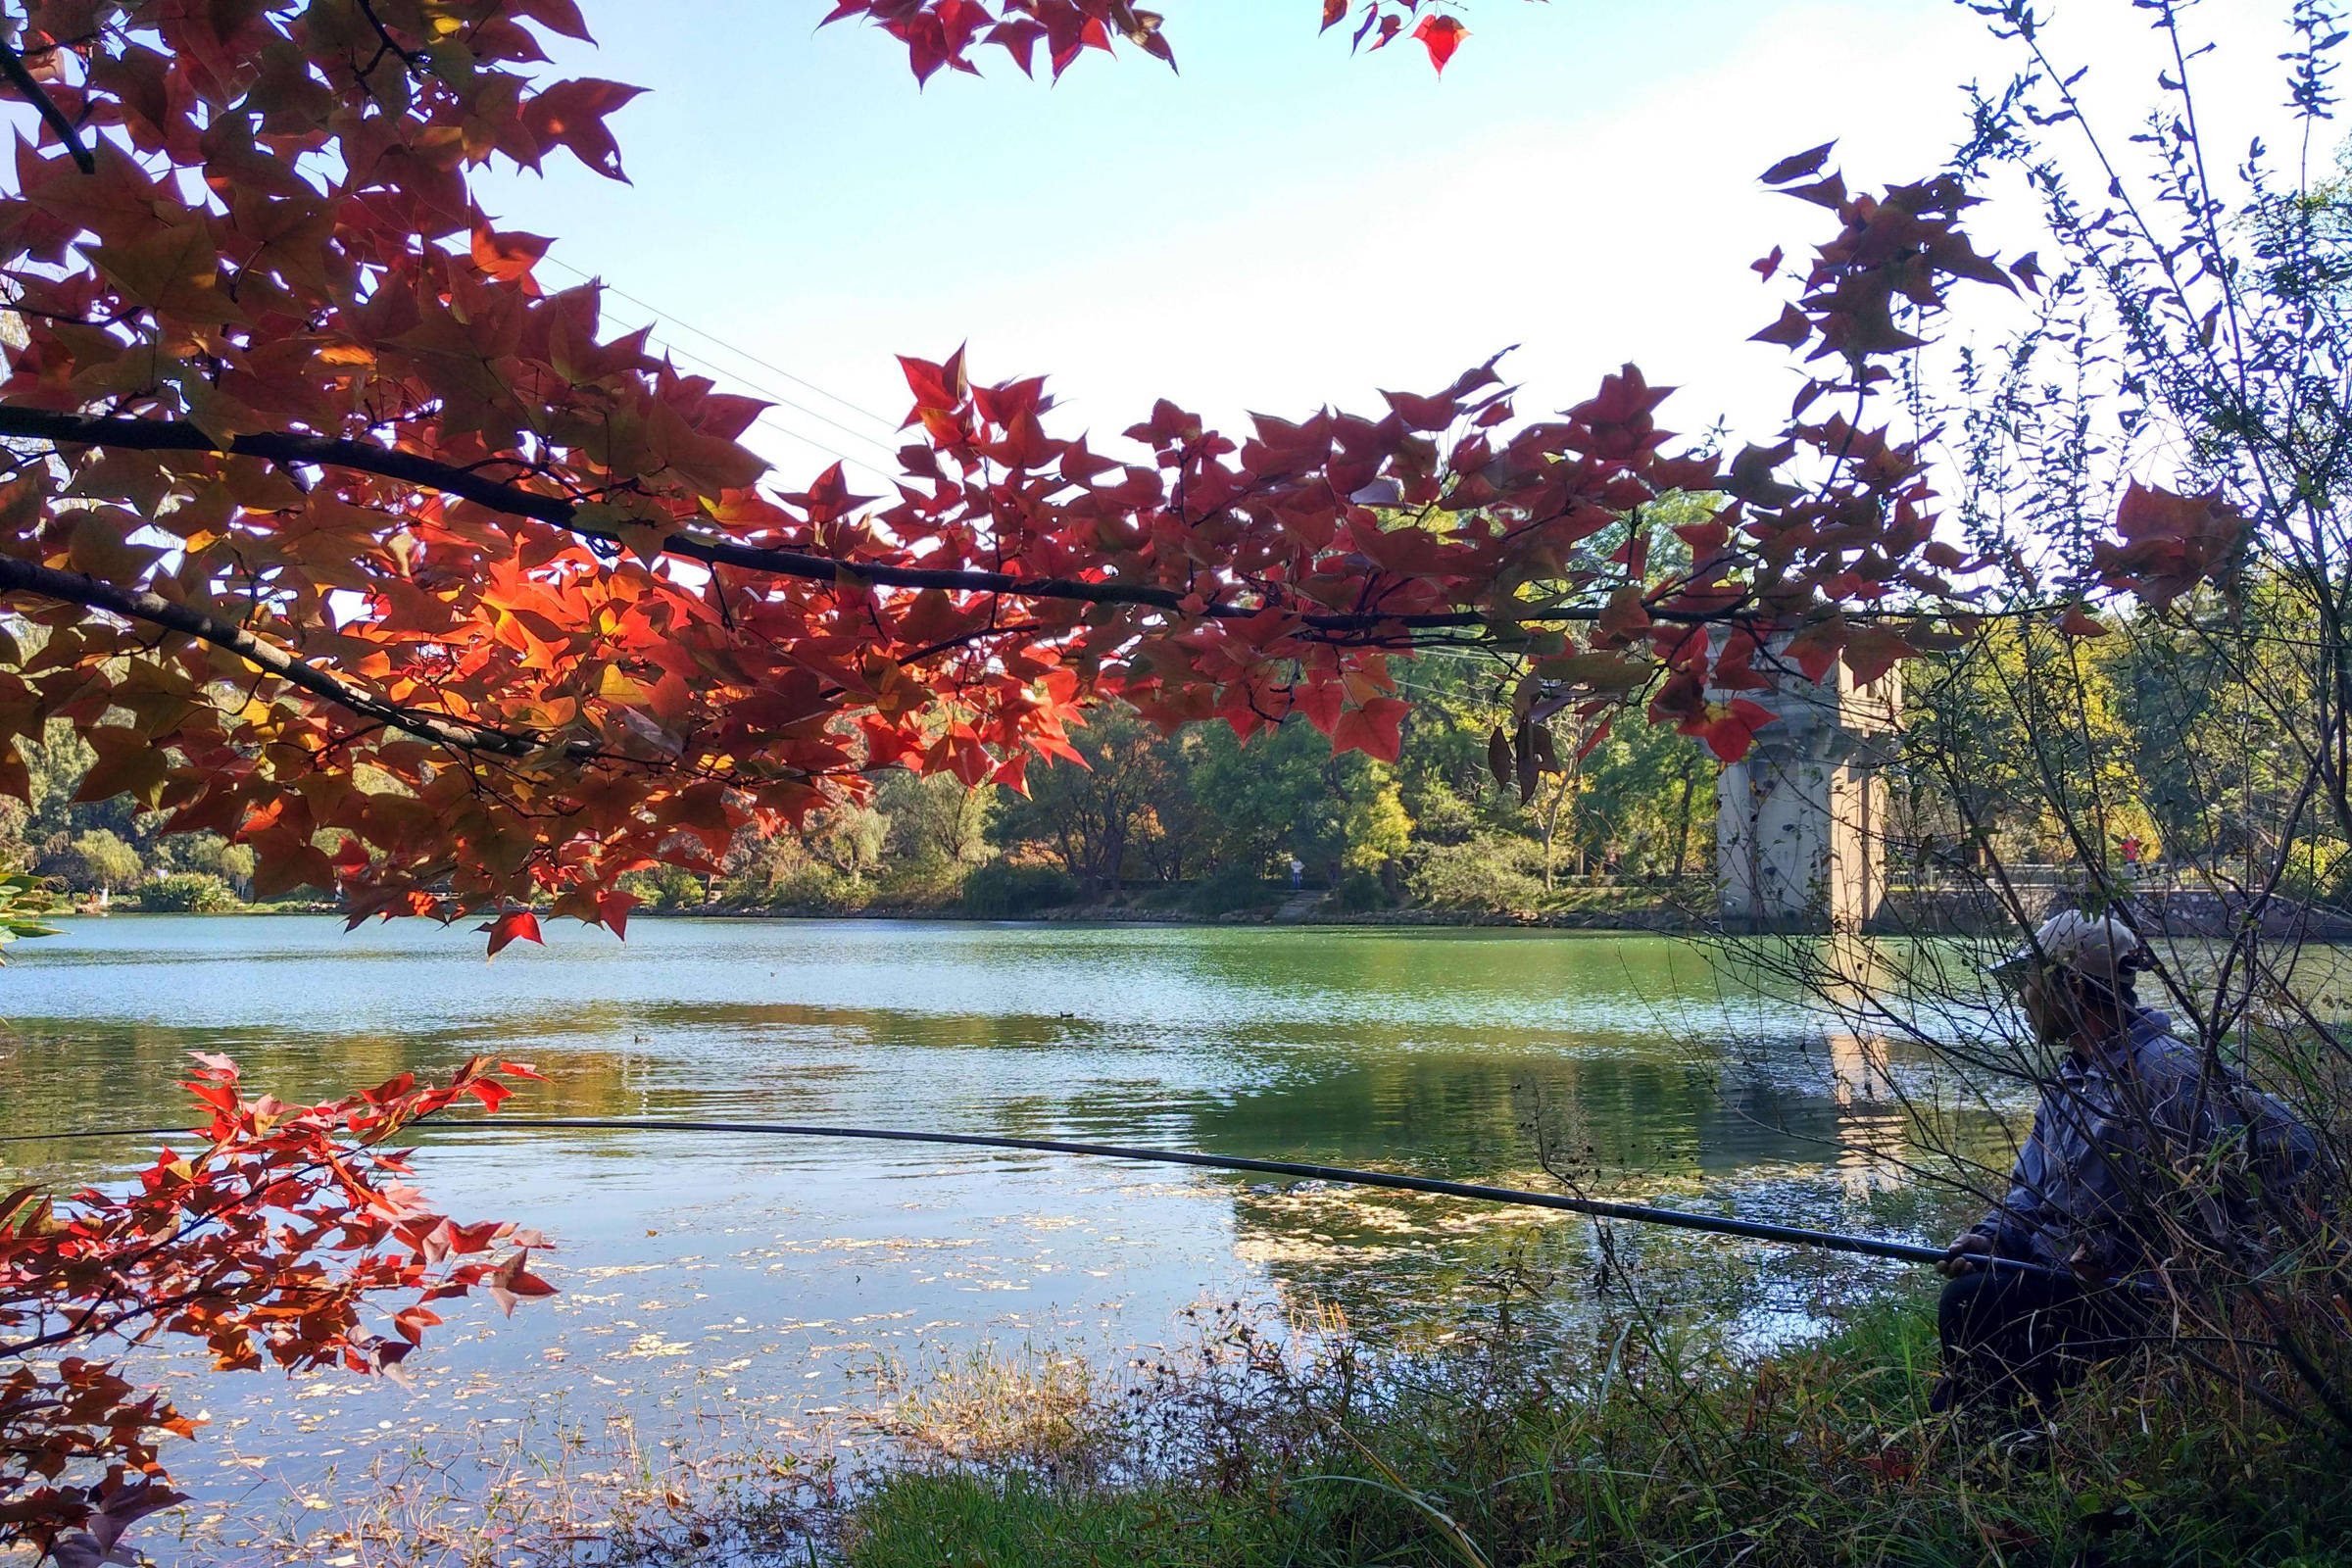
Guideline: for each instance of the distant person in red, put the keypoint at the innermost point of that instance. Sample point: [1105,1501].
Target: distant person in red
[2129,1110]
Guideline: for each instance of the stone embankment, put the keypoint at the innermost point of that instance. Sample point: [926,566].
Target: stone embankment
[2167,911]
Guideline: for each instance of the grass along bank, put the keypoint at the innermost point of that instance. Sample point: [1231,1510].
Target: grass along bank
[1255,1443]
[1641,1444]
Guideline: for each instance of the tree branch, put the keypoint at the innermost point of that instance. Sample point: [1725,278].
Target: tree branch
[12,66]
[361,457]
[131,603]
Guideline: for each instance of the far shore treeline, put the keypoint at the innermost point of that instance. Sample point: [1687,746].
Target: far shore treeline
[1198,824]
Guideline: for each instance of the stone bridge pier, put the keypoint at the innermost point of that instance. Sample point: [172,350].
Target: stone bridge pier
[1800,820]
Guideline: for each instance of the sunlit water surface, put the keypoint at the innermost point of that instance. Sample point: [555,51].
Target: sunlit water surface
[764,1280]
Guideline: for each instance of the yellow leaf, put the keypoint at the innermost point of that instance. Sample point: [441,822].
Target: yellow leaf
[138,771]
[175,271]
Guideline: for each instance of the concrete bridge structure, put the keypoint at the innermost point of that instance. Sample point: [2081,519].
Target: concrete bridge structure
[1800,822]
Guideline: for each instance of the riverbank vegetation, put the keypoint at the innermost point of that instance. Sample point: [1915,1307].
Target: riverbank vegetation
[1198,824]
[1192,824]
[1255,1442]
[1633,1446]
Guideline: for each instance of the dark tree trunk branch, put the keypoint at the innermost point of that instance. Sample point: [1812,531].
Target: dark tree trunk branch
[361,457]
[139,605]
[12,66]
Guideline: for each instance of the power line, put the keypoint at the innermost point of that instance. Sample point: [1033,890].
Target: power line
[740,353]
[781,401]
[767,415]
[779,426]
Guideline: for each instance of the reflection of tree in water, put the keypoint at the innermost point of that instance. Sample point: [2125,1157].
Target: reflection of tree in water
[56,1075]
[1459,1115]
[1381,1049]
[1781,1140]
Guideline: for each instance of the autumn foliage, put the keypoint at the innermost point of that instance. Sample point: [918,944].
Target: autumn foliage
[265,1236]
[349,540]
[954,34]
[331,528]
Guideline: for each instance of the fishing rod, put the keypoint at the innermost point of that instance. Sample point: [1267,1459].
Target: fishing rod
[1339,1175]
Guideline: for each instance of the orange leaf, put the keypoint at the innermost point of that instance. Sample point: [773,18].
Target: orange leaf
[509,257]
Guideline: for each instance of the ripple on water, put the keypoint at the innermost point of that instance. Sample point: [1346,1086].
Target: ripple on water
[769,1280]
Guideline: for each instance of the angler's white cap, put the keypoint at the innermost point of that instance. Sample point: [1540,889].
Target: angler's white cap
[2104,949]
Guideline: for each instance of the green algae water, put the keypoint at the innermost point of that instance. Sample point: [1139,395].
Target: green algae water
[764,1280]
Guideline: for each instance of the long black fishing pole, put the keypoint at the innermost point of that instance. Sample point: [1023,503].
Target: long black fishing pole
[1593,1207]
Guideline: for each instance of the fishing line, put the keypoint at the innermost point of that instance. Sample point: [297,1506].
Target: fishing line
[1339,1175]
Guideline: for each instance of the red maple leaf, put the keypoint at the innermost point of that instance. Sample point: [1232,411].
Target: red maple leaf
[1441,36]
[1375,728]
[2170,542]
[1730,728]
[514,926]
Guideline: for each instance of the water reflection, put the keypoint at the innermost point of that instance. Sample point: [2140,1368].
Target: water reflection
[762,1274]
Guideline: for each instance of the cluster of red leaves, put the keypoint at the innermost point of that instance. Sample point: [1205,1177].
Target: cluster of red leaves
[279,235]
[950,34]
[1814,566]
[514,621]
[1904,246]
[266,1242]
[1381,20]
[2168,543]
[1901,248]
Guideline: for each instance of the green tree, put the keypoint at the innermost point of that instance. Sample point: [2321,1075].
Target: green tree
[2024,745]
[850,839]
[1284,793]
[15,853]
[1105,820]
[937,815]
[1642,802]
[103,861]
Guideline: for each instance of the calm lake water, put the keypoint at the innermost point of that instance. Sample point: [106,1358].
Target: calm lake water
[764,1280]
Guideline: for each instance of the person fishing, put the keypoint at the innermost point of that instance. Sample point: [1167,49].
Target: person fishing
[2132,1118]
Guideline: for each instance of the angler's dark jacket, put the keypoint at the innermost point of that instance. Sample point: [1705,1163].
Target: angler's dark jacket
[2142,1128]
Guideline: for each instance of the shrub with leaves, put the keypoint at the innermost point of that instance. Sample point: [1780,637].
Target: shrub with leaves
[1491,874]
[188,893]
[1001,890]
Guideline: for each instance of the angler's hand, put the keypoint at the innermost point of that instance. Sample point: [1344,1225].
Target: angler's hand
[1966,1256]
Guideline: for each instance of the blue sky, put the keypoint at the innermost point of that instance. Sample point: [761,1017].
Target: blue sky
[1280,226]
